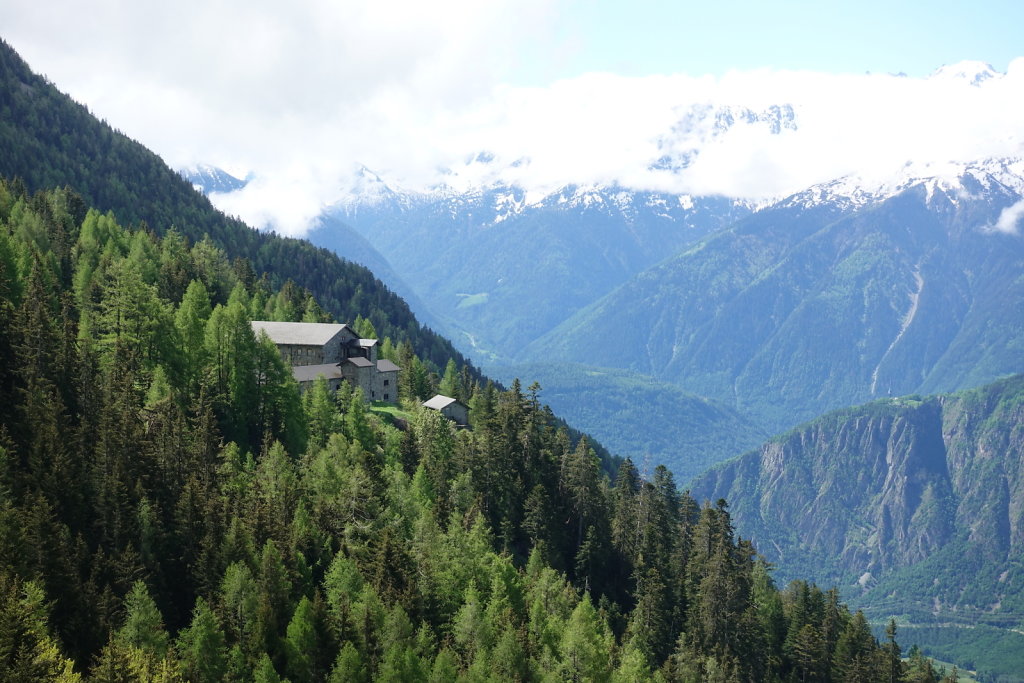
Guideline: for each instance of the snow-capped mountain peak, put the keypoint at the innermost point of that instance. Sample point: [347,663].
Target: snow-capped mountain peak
[955,180]
[210,179]
[368,187]
[971,71]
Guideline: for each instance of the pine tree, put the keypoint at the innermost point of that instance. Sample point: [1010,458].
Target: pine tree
[856,655]
[190,321]
[349,667]
[449,385]
[27,650]
[201,646]
[301,646]
[586,645]
[239,609]
[143,626]
[892,652]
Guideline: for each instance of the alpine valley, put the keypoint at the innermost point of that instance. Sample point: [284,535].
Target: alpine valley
[710,322]
[858,288]
[174,507]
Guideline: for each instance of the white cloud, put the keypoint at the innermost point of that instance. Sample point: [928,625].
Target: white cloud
[300,93]
[1011,218]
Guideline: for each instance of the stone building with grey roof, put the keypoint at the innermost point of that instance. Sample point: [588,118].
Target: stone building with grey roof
[335,351]
[452,408]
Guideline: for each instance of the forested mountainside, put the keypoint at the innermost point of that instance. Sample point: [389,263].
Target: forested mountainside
[686,433]
[47,140]
[918,501]
[172,509]
[835,296]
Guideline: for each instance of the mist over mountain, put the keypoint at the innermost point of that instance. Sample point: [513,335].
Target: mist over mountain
[880,282]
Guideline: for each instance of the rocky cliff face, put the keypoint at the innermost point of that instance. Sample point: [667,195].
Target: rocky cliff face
[918,501]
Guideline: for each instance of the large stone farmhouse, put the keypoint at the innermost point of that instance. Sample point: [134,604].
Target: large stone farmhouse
[335,351]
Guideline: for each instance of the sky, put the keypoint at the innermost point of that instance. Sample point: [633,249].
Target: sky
[300,94]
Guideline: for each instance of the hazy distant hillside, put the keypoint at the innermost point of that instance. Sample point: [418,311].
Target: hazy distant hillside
[829,298]
[503,267]
[637,417]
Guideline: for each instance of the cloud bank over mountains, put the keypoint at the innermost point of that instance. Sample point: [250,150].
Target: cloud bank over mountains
[752,135]
[302,98]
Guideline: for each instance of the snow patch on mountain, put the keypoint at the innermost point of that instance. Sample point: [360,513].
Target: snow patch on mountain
[210,179]
[699,125]
[955,181]
[969,71]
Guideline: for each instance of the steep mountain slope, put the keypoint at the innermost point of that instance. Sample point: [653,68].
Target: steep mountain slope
[504,266]
[634,416]
[170,503]
[842,293]
[913,506]
[349,244]
[47,141]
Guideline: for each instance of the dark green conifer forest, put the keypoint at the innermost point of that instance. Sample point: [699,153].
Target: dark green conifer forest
[172,508]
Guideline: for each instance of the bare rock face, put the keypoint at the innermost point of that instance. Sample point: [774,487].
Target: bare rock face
[911,502]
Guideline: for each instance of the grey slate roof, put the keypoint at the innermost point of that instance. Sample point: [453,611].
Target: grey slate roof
[359,362]
[439,402]
[384,365]
[308,373]
[365,343]
[306,334]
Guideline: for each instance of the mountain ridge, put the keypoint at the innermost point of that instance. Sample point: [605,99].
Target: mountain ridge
[908,496]
[48,140]
[805,306]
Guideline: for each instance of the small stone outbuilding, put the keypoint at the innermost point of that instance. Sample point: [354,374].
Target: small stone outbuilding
[452,408]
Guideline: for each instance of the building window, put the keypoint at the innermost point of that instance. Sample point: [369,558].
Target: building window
[386,382]
[386,397]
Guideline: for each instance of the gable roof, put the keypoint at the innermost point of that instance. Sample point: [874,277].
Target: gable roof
[359,362]
[384,365]
[307,334]
[439,402]
[308,373]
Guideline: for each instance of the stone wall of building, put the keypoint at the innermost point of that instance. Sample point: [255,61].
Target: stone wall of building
[297,354]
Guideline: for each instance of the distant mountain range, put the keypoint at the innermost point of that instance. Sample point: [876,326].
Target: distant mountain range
[502,267]
[847,291]
[859,287]
[852,289]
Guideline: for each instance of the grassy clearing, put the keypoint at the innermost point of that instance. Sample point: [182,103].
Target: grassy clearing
[390,412]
